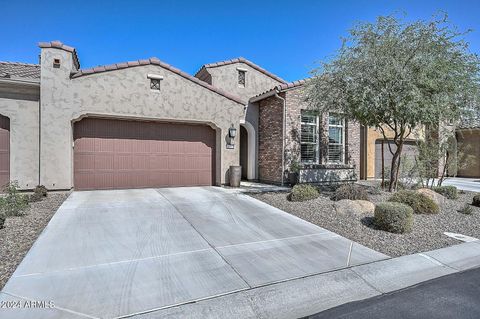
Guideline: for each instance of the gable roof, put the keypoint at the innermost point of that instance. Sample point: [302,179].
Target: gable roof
[156,61]
[280,88]
[241,60]
[19,70]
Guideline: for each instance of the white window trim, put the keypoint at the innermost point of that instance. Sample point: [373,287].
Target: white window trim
[317,143]
[343,127]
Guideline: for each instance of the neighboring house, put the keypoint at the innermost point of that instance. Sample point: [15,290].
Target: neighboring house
[373,144]
[468,138]
[326,146]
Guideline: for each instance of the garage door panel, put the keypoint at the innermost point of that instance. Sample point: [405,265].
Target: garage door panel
[128,154]
[84,161]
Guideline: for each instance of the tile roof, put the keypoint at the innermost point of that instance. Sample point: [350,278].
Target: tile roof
[242,60]
[19,70]
[156,61]
[61,46]
[285,86]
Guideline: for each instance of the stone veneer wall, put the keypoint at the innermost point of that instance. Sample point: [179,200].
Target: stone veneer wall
[270,140]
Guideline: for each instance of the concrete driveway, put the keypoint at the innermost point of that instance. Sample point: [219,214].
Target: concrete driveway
[466,184]
[109,254]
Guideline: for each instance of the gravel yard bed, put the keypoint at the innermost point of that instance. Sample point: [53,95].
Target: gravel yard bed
[427,231]
[19,233]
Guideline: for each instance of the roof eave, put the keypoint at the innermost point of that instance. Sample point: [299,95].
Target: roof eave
[21,81]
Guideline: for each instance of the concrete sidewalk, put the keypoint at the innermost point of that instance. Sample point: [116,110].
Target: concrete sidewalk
[313,294]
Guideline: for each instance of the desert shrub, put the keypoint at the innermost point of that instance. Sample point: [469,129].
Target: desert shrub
[350,191]
[420,203]
[476,200]
[2,219]
[393,217]
[13,203]
[39,193]
[467,210]
[303,192]
[449,192]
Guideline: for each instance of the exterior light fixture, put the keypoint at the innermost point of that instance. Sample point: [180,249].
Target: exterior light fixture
[232,132]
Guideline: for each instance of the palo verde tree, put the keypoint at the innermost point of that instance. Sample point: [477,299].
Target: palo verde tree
[398,76]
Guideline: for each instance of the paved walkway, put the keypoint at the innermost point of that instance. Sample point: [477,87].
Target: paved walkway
[110,254]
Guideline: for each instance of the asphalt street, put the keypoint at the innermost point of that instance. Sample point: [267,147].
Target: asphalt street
[454,296]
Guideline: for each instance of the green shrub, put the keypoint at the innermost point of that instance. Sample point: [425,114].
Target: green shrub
[350,191]
[303,192]
[393,217]
[2,219]
[39,193]
[449,192]
[476,200]
[467,210]
[420,203]
[13,203]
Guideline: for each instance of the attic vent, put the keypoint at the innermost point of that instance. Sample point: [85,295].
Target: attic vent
[241,77]
[56,63]
[155,81]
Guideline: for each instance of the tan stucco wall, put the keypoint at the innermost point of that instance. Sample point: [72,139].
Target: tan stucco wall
[373,135]
[123,93]
[24,143]
[226,77]
[469,153]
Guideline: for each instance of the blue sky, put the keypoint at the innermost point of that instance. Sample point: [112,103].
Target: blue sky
[285,37]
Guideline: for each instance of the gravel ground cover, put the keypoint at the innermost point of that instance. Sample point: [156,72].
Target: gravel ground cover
[427,233]
[19,233]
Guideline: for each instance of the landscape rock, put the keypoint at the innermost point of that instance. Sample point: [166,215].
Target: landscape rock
[436,197]
[347,206]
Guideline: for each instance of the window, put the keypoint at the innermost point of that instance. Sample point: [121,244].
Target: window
[309,137]
[241,78]
[336,138]
[155,84]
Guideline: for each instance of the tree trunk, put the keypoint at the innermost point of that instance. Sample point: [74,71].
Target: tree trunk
[383,165]
[395,166]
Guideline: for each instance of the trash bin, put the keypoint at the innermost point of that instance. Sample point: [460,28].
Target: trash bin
[235,176]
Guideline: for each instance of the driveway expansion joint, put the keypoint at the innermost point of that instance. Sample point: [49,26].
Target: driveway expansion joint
[205,239]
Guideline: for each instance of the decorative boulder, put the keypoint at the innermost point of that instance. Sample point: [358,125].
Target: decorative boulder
[348,206]
[439,199]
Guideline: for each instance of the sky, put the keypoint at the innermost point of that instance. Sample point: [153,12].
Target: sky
[288,38]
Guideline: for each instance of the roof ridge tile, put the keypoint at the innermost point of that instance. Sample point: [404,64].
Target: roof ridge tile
[241,60]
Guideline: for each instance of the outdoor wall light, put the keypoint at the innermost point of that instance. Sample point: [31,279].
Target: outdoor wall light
[232,132]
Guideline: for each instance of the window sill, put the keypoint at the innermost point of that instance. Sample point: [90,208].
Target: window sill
[327,166]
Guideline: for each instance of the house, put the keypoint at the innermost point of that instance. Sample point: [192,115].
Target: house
[148,124]
[468,144]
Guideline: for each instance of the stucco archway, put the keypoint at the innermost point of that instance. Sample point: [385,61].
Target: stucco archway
[251,165]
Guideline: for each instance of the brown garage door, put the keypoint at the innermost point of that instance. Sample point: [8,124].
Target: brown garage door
[110,154]
[409,150]
[4,151]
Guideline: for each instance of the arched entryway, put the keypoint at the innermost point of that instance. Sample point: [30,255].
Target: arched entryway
[247,151]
